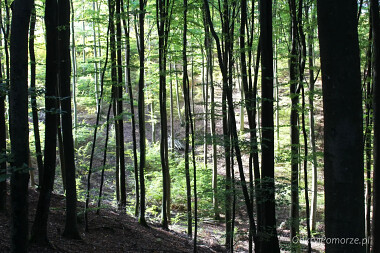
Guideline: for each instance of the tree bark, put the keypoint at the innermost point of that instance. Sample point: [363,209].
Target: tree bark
[3,137]
[267,146]
[39,229]
[376,119]
[186,96]
[141,111]
[71,228]
[294,132]
[33,96]
[343,130]
[163,16]
[119,104]
[314,187]
[131,101]
[18,109]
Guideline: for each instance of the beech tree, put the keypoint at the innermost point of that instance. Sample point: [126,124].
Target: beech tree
[269,242]
[3,145]
[186,97]
[18,109]
[39,228]
[249,42]
[33,97]
[343,135]
[376,121]
[71,228]
[141,110]
[163,15]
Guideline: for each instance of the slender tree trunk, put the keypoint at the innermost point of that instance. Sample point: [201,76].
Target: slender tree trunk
[192,124]
[96,74]
[163,10]
[33,96]
[302,64]
[186,96]
[368,141]
[114,93]
[107,121]
[213,133]
[177,95]
[119,104]
[294,131]
[74,73]
[3,134]
[61,148]
[39,229]
[3,146]
[131,101]
[250,103]
[171,108]
[314,187]
[18,108]
[267,147]
[71,228]
[6,32]
[141,111]
[376,119]
[104,157]
[343,154]
[205,84]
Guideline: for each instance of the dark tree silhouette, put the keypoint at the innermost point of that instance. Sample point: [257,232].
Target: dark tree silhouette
[343,126]
[126,26]
[3,145]
[33,96]
[186,97]
[163,16]
[18,109]
[376,121]
[141,112]
[71,228]
[39,229]
[269,241]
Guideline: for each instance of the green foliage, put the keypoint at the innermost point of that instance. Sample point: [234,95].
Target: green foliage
[153,177]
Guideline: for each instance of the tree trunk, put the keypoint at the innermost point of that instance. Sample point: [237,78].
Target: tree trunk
[376,119]
[141,112]
[18,109]
[39,229]
[33,96]
[107,121]
[314,187]
[177,95]
[267,146]
[131,101]
[71,228]
[104,157]
[74,74]
[294,132]
[163,9]
[96,74]
[119,104]
[3,146]
[3,136]
[343,135]
[368,89]
[186,96]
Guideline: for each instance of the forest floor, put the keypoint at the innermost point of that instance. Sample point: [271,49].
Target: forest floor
[113,231]
[110,231]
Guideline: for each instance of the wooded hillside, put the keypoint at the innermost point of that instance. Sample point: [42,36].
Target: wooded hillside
[233,125]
